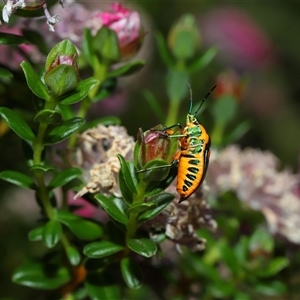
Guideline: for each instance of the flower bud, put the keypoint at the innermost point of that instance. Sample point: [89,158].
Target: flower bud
[125,23]
[155,144]
[184,38]
[229,83]
[62,73]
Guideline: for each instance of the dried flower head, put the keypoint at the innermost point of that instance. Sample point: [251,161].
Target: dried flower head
[180,222]
[253,176]
[96,155]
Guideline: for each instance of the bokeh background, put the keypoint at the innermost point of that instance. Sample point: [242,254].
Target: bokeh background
[258,44]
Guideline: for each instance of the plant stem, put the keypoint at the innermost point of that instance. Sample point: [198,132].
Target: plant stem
[132,225]
[172,116]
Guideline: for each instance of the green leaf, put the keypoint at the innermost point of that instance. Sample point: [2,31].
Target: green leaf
[81,91]
[129,173]
[225,109]
[34,82]
[177,86]
[73,255]
[144,247]
[131,273]
[43,168]
[40,276]
[17,124]
[139,207]
[66,111]
[84,229]
[18,179]
[274,288]
[48,116]
[238,132]
[155,188]
[155,105]
[12,39]
[62,79]
[64,177]
[102,287]
[101,249]
[202,61]
[127,194]
[87,46]
[106,43]
[161,201]
[51,233]
[228,256]
[241,250]
[261,239]
[4,73]
[115,207]
[276,265]
[106,89]
[163,50]
[63,131]
[36,234]
[155,170]
[127,69]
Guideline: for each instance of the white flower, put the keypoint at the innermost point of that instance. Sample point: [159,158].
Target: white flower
[10,7]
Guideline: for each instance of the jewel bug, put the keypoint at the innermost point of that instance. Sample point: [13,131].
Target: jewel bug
[193,156]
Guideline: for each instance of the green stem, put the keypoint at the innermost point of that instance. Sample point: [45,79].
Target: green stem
[217,134]
[132,225]
[172,117]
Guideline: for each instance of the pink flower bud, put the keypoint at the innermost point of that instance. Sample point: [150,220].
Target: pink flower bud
[127,25]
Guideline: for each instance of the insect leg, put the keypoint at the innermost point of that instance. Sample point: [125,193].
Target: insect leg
[173,163]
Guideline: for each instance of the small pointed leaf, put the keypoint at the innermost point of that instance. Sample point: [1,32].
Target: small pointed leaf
[115,207]
[63,131]
[127,69]
[36,234]
[129,173]
[81,91]
[144,247]
[51,233]
[34,82]
[131,273]
[73,255]
[64,177]
[18,179]
[161,201]
[40,276]
[84,229]
[47,116]
[101,249]
[17,124]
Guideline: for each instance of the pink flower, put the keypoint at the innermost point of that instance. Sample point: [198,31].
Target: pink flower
[12,57]
[239,39]
[126,23]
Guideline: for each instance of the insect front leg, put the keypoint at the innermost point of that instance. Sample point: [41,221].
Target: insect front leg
[173,163]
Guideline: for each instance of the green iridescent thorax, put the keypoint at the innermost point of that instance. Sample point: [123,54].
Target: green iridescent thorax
[192,126]
[194,132]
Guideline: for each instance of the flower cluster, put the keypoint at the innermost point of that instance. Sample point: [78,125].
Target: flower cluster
[12,5]
[96,155]
[180,221]
[253,176]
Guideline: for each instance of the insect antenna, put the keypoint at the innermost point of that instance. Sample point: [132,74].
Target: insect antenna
[203,100]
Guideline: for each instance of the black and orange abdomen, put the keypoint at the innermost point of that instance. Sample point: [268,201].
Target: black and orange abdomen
[191,172]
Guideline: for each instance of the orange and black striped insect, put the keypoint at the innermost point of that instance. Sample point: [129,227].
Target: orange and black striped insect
[193,156]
